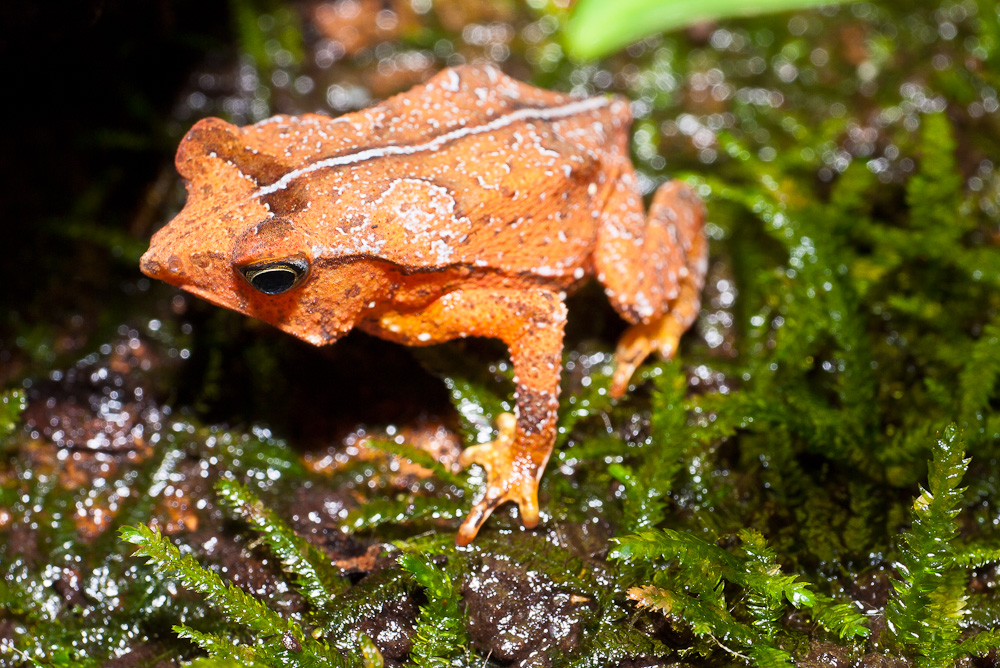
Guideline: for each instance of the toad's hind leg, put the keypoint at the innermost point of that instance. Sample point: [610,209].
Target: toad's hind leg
[653,268]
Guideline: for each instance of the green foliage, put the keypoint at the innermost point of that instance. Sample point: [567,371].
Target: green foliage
[407,508]
[978,378]
[420,458]
[586,402]
[243,608]
[649,482]
[222,652]
[261,21]
[934,193]
[311,570]
[597,28]
[276,641]
[370,656]
[121,600]
[404,509]
[686,577]
[612,638]
[477,394]
[926,611]
[441,639]
[73,600]
[365,599]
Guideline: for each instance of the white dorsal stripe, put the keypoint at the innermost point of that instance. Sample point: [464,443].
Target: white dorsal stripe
[543,114]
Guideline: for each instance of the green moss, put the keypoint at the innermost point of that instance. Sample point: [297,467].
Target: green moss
[275,640]
[306,564]
[925,615]
[440,639]
[685,577]
[648,483]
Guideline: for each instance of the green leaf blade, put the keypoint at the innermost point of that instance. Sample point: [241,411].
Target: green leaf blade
[597,28]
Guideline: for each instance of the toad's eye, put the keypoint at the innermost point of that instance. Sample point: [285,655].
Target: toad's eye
[276,276]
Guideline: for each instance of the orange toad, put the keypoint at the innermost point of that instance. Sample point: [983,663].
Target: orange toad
[467,206]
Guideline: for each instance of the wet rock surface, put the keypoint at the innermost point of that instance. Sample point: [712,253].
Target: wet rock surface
[391,628]
[101,403]
[519,616]
[386,611]
[827,655]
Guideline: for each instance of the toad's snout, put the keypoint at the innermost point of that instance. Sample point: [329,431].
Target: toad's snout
[165,267]
[150,264]
[168,267]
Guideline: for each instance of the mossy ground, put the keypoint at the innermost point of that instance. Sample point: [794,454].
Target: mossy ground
[813,479]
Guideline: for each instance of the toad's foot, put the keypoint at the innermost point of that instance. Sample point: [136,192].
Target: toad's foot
[659,335]
[638,342]
[510,476]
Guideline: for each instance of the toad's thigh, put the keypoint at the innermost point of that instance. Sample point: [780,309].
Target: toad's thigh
[642,260]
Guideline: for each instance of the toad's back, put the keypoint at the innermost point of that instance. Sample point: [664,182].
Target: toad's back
[472,168]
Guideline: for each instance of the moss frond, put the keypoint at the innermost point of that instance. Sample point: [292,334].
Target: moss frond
[612,638]
[981,643]
[692,587]
[365,599]
[925,613]
[370,656]
[421,458]
[770,657]
[477,395]
[278,641]
[933,194]
[477,407]
[237,604]
[404,509]
[842,619]
[590,400]
[648,483]
[441,639]
[222,650]
[975,556]
[979,375]
[311,569]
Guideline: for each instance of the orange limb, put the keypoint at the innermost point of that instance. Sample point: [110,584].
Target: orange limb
[661,335]
[653,268]
[530,323]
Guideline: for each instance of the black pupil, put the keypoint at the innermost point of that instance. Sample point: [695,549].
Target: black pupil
[275,280]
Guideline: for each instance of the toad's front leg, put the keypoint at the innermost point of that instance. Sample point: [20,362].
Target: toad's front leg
[530,323]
